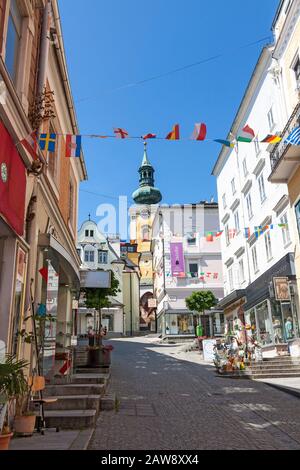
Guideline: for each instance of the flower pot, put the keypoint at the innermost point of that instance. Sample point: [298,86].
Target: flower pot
[5,440]
[24,425]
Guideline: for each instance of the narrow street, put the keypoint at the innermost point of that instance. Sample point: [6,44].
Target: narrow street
[167,402]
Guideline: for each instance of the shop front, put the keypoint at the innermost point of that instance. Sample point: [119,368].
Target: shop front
[234,317]
[271,312]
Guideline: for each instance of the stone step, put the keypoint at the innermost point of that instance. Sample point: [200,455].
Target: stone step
[70,419]
[75,389]
[275,366]
[90,378]
[94,370]
[75,402]
[108,402]
[281,360]
[248,375]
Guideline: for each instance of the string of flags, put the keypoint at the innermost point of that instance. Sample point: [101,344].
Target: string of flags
[48,141]
[232,232]
[202,277]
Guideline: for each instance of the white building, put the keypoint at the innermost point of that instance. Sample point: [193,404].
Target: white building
[186,226]
[253,260]
[97,252]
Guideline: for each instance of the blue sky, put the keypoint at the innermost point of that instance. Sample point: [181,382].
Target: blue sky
[110,44]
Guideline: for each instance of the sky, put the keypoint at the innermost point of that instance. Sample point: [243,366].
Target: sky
[111,44]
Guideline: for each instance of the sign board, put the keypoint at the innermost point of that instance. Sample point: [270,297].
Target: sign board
[281,288]
[95,279]
[152,303]
[208,349]
[75,304]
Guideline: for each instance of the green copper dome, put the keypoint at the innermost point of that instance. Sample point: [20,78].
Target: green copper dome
[146,193]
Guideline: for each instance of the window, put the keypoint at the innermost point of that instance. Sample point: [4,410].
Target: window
[227,235]
[249,206]
[89,256]
[254,259]
[230,277]
[297,212]
[86,233]
[91,233]
[241,271]
[13,39]
[78,252]
[191,240]
[245,169]
[193,269]
[271,119]
[285,230]
[224,201]
[102,257]
[145,233]
[261,185]
[237,221]
[257,147]
[268,245]
[296,69]
[233,186]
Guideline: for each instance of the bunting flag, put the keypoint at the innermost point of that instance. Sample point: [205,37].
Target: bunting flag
[121,133]
[258,231]
[232,232]
[30,143]
[294,137]
[200,131]
[227,143]
[73,146]
[246,135]
[47,142]
[149,136]
[216,275]
[247,232]
[44,273]
[209,237]
[283,225]
[218,234]
[271,139]
[174,134]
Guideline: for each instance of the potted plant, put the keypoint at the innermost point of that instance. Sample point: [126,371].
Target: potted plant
[12,383]
[24,422]
[98,298]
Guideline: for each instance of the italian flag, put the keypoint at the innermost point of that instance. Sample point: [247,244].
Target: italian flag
[246,135]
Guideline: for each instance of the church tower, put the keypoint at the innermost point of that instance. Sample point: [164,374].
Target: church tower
[146,193]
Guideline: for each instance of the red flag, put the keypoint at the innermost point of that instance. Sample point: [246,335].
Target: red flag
[30,143]
[149,136]
[121,133]
[199,131]
[174,134]
[44,273]
[65,367]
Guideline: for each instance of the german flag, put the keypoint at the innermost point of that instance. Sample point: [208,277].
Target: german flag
[271,139]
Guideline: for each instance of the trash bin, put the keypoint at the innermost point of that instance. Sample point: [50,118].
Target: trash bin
[199,331]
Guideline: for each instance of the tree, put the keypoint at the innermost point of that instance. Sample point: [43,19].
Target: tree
[201,301]
[98,298]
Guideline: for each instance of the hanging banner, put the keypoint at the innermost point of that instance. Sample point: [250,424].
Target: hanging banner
[177,259]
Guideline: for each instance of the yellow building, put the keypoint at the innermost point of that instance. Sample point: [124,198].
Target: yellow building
[285,158]
[142,216]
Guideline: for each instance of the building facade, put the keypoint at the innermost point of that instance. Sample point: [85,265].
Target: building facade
[257,244]
[285,158]
[39,264]
[186,259]
[142,215]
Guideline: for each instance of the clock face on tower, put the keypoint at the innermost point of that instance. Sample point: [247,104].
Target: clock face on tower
[145,213]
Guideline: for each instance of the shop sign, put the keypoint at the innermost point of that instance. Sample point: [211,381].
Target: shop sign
[177,259]
[281,288]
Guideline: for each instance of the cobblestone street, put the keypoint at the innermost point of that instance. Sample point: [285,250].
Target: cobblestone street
[170,402]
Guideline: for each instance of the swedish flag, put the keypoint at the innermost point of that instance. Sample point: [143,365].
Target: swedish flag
[47,142]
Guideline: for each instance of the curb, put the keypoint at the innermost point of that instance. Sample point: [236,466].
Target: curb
[289,391]
[82,440]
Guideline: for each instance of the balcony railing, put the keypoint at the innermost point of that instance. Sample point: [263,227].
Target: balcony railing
[281,148]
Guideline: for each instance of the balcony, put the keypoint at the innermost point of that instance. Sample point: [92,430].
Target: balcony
[285,158]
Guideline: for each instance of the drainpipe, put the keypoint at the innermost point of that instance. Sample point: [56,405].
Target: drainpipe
[44,51]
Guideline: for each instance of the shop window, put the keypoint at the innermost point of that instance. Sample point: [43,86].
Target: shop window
[13,39]
[179,324]
[264,323]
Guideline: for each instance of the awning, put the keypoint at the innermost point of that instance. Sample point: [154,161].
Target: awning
[60,258]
